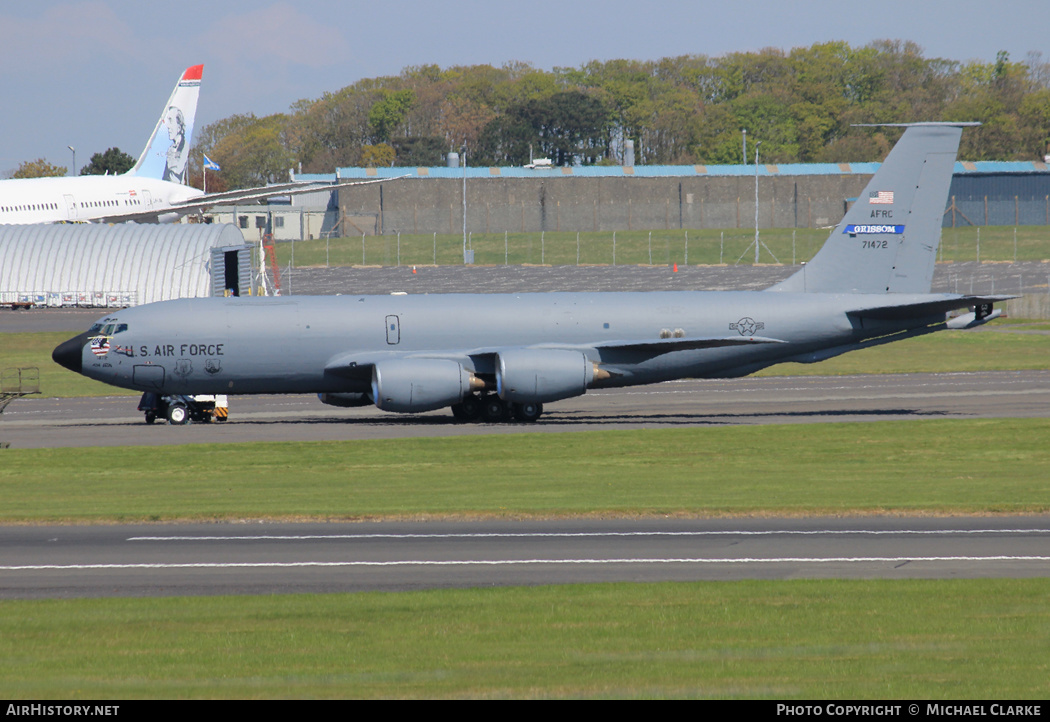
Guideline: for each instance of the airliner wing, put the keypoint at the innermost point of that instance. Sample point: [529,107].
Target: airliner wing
[243,195]
[202,202]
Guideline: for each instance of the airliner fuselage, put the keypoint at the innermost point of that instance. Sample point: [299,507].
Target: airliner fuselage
[88,198]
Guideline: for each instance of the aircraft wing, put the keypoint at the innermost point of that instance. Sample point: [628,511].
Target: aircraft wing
[281,189]
[359,364]
[657,347]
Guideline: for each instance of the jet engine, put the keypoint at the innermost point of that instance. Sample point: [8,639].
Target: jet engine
[419,384]
[539,375]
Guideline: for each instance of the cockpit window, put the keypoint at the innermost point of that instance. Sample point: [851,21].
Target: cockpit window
[109,329]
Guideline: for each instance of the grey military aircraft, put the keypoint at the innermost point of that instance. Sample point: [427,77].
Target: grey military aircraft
[498,357]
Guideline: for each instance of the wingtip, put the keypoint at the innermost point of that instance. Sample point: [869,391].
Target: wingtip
[193,73]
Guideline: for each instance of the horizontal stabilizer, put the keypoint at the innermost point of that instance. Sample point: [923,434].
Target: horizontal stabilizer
[972,319]
[929,306]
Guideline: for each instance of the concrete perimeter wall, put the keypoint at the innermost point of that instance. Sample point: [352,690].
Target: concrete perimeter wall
[555,203]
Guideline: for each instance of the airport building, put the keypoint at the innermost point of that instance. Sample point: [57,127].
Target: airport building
[105,266]
[288,218]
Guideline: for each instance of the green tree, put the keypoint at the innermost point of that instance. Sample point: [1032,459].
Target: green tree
[460,121]
[113,162]
[330,132]
[250,150]
[380,155]
[570,128]
[1034,114]
[388,113]
[38,168]
[419,151]
[686,109]
[505,140]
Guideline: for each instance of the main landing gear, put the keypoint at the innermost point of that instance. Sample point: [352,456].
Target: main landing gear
[493,410]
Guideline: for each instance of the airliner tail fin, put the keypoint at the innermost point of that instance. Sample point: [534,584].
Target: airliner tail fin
[167,154]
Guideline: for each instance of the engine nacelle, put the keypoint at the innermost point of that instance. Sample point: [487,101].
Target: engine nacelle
[346,400]
[540,375]
[419,384]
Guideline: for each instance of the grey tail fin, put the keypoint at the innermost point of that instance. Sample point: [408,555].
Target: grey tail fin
[887,241]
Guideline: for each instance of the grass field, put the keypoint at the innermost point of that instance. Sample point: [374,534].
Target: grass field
[738,470]
[692,247]
[34,349]
[805,639]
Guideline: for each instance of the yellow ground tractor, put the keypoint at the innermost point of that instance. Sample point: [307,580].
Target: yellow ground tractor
[179,409]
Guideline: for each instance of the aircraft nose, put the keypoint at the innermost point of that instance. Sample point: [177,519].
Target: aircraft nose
[71,353]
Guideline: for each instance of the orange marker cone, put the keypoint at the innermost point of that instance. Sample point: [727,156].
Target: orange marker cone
[413,269]
[676,268]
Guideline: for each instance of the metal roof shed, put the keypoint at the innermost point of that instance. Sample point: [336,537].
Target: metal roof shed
[109,266]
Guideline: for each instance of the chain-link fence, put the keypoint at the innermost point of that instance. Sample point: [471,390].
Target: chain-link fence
[657,247]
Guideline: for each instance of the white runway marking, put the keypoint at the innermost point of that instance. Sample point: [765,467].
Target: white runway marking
[520,562]
[881,395]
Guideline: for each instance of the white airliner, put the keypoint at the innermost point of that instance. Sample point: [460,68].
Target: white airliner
[152,191]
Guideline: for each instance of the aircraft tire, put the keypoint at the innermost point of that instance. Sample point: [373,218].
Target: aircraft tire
[528,412]
[151,416]
[467,410]
[494,411]
[178,415]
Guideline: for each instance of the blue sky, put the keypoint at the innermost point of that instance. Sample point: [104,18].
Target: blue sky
[95,73]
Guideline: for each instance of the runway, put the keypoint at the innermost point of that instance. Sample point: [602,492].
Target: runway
[114,421]
[265,558]
[176,560]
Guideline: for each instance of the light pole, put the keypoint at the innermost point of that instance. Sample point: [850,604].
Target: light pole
[74,171]
[756,201]
[745,145]
[464,161]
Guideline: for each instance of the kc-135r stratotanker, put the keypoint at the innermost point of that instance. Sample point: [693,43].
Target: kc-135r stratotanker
[502,356]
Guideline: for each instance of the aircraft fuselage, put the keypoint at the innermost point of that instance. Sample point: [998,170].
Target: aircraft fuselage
[314,344]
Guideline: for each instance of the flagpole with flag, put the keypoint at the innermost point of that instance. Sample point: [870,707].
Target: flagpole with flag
[208,163]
